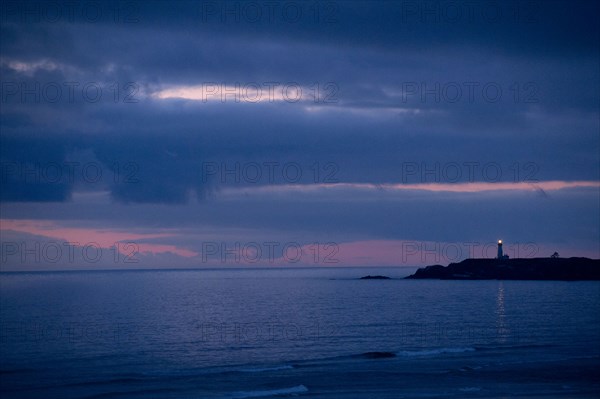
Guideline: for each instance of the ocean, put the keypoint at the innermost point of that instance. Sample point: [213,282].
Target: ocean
[313,332]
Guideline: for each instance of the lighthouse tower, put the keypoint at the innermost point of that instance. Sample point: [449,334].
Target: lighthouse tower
[500,254]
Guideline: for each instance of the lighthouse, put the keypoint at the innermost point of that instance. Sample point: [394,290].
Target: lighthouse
[500,252]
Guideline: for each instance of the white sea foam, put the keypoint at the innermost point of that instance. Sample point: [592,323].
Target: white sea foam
[273,392]
[263,369]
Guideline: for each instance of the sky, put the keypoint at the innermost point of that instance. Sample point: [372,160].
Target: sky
[175,134]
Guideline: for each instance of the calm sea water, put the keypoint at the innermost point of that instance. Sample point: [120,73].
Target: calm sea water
[315,333]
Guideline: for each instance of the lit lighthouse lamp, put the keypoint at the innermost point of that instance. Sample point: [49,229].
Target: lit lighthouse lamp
[500,253]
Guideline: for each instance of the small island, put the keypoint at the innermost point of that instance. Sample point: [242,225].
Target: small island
[369,277]
[554,268]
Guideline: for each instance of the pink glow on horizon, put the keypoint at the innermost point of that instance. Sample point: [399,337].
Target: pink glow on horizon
[103,237]
[355,253]
[163,248]
[469,187]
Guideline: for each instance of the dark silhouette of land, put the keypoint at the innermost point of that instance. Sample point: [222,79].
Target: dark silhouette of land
[369,277]
[554,268]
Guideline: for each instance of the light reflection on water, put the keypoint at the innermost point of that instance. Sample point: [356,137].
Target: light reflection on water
[501,326]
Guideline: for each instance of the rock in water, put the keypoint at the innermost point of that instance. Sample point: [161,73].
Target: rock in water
[369,277]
